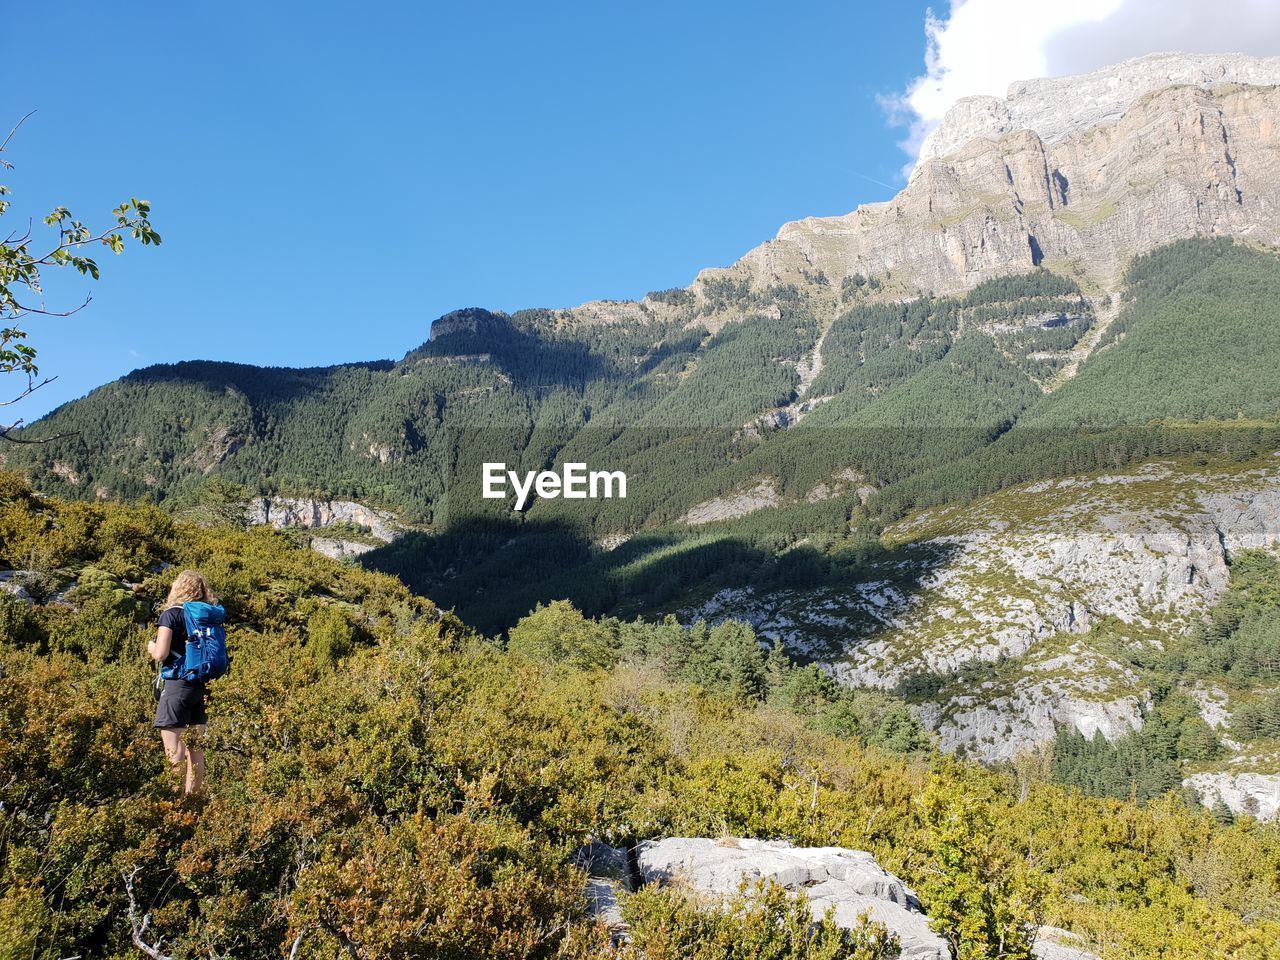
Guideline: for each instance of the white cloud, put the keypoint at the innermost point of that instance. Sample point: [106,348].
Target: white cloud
[982,46]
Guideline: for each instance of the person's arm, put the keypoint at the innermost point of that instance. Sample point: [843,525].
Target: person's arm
[159,647]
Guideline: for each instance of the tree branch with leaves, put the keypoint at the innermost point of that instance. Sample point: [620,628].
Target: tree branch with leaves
[22,261]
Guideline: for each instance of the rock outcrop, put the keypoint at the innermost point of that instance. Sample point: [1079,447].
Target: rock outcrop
[11,584]
[997,721]
[337,548]
[1083,171]
[1053,943]
[1257,794]
[609,873]
[312,513]
[848,882]
[466,320]
[378,526]
[764,494]
[219,444]
[998,598]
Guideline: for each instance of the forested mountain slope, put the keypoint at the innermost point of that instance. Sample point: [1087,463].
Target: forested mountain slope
[1194,341]
[916,403]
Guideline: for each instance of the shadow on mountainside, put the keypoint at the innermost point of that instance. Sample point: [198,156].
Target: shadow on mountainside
[526,357]
[275,383]
[494,571]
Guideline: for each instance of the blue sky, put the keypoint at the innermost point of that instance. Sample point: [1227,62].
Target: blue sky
[329,178]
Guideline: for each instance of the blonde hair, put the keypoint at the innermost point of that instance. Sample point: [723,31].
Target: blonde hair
[188,586]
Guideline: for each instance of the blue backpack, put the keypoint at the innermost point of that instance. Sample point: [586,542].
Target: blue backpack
[206,657]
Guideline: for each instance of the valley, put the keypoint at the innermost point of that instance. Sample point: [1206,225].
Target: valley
[992,446]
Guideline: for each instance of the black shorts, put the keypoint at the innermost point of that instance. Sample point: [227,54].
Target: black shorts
[181,705]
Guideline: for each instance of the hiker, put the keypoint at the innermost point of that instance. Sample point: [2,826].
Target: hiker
[184,698]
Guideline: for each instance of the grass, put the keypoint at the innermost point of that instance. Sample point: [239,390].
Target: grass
[1090,217]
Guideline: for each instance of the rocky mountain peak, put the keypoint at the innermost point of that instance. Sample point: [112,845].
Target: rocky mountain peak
[1053,107]
[1077,174]
[466,320]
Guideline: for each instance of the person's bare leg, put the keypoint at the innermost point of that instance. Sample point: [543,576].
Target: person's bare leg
[175,750]
[195,762]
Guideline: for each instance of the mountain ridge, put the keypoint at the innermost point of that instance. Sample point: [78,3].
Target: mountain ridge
[1056,106]
[1180,162]
[987,166]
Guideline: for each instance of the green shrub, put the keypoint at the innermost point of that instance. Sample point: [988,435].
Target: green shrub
[330,635]
[19,627]
[759,922]
[558,634]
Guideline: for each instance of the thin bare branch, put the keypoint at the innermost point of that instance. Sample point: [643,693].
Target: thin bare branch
[14,240]
[31,388]
[139,929]
[7,437]
[24,310]
[5,163]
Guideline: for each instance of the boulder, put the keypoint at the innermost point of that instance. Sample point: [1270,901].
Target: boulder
[1257,794]
[17,591]
[10,583]
[605,862]
[848,881]
[608,874]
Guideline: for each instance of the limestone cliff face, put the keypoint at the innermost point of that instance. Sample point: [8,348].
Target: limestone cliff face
[1257,794]
[1058,106]
[311,513]
[1081,173]
[1002,596]
[466,320]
